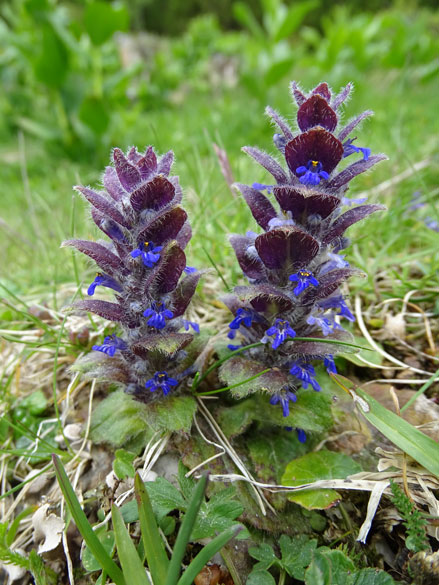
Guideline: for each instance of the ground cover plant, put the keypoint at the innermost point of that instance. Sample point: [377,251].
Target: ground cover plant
[111,416]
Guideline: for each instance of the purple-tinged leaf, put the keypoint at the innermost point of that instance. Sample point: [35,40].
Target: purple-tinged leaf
[342,96]
[147,164]
[353,170]
[316,144]
[103,205]
[108,261]
[113,231]
[265,298]
[129,176]
[109,311]
[112,184]
[184,235]
[301,206]
[323,90]
[281,122]
[316,112]
[166,275]
[164,228]
[260,206]
[152,195]
[267,162]
[286,247]
[297,94]
[314,348]
[348,218]
[250,264]
[168,344]
[178,191]
[344,132]
[231,301]
[328,284]
[165,163]
[238,369]
[133,156]
[183,294]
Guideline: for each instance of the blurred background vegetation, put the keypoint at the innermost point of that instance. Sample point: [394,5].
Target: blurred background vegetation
[81,77]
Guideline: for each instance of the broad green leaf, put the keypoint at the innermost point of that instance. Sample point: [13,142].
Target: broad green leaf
[103,19]
[313,467]
[370,577]
[263,553]
[106,537]
[119,419]
[133,569]
[152,541]
[404,435]
[164,497]
[173,414]
[93,113]
[261,577]
[271,450]
[83,525]
[123,464]
[51,66]
[297,553]
[372,356]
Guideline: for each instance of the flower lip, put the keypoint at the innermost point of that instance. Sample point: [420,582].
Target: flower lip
[111,344]
[312,173]
[103,280]
[305,373]
[149,252]
[281,330]
[349,148]
[304,279]
[157,315]
[284,399]
[161,381]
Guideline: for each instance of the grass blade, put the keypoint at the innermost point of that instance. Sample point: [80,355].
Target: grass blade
[204,556]
[132,566]
[83,525]
[156,556]
[404,435]
[185,532]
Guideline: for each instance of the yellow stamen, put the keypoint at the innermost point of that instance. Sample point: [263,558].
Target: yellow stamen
[314,163]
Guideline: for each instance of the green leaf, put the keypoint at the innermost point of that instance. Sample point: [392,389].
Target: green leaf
[271,449]
[132,566]
[164,497]
[106,538]
[295,15]
[313,467]
[372,355]
[83,525]
[297,554]
[35,403]
[173,414]
[404,435]
[156,557]
[278,70]
[123,464]
[370,577]
[51,66]
[119,419]
[260,577]
[103,19]
[94,114]
[319,572]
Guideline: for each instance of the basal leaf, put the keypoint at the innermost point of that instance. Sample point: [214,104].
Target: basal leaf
[237,370]
[173,414]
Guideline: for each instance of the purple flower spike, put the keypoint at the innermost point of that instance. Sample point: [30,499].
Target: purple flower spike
[350,148]
[312,173]
[330,364]
[103,280]
[281,331]
[150,253]
[284,400]
[305,372]
[111,345]
[161,381]
[304,278]
[157,315]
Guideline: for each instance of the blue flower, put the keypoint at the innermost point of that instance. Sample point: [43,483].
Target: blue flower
[312,173]
[111,345]
[329,364]
[103,280]
[301,435]
[431,223]
[188,324]
[150,253]
[349,202]
[337,302]
[281,330]
[262,187]
[327,323]
[190,269]
[305,372]
[243,317]
[335,261]
[157,315]
[161,381]
[284,399]
[304,278]
[276,222]
[349,149]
